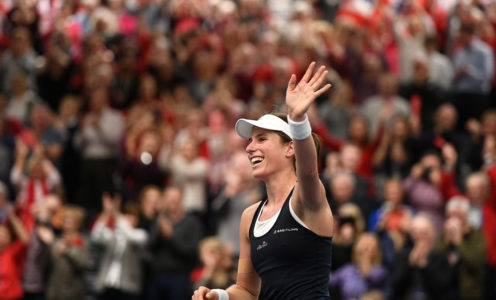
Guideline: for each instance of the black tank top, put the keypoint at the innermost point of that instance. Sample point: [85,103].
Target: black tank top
[292,261]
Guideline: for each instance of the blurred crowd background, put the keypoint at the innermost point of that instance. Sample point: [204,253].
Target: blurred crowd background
[122,177]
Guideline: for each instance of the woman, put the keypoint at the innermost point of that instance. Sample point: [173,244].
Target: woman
[286,239]
[67,257]
[364,274]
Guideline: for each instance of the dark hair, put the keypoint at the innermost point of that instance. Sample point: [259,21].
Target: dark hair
[286,139]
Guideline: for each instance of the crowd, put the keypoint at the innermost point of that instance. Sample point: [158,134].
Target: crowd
[121,176]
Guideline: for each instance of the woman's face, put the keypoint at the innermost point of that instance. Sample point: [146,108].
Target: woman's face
[367,247]
[400,128]
[150,201]
[70,222]
[267,153]
[358,129]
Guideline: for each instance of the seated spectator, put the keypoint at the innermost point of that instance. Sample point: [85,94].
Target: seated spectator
[342,190]
[12,253]
[394,155]
[120,271]
[365,273]
[421,272]
[173,246]
[350,225]
[465,249]
[216,269]
[393,216]
[67,257]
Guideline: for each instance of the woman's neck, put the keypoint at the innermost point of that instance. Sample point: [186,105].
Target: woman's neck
[278,187]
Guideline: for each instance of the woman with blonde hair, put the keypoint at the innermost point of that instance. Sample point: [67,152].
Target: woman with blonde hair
[349,226]
[365,273]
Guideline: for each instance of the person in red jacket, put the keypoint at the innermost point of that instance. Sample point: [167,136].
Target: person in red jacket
[12,253]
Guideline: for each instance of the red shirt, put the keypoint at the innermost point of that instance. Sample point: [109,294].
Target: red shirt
[10,271]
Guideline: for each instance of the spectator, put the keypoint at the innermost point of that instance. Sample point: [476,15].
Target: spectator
[394,155]
[37,258]
[7,153]
[481,216]
[141,166]
[350,225]
[54,79]
[393,216]
[428,188]
[97,138]
[173,246]
[336,112]
[441,71]
[364,274]
[190,171]
[22,100]
[342,189]
[358,135]
[67,256]
[238,192]
[148,200]
[20,57]
[32,182]
[386,103]
[420,271]
[12,252]
[42,131]
[217,266]
[474,70]
[120,272]
[465,249]
[423,96]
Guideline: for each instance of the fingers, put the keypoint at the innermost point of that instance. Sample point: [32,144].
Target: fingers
[318,77]
[292,82]
[308,73]
[203,293]
[211,296]
[322,90]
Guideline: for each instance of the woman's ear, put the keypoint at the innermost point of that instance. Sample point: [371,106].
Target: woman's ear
[290,149]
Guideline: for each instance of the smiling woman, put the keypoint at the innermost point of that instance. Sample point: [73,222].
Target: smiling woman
[285,240]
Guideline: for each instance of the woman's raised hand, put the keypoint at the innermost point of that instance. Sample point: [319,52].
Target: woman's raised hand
[300,95]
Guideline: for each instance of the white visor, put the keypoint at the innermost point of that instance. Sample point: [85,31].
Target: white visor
[270,122]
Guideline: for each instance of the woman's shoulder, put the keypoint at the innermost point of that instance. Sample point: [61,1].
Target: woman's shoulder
[249,212]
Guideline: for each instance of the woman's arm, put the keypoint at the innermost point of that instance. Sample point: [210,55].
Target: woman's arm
[311,204]
[248,283]
[299,97]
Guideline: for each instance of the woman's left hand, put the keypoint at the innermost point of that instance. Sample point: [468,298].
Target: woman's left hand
[299,96]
